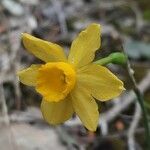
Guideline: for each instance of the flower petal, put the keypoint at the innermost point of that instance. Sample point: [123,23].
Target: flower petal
[57,112]
[100,81]
[84,46]
[44,50]
[28,76]
[85,107]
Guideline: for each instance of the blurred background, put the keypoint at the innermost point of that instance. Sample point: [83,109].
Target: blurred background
[124,23]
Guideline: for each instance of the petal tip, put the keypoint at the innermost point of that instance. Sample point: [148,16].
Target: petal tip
[122,88]
[18,73]
[93,129]
[24,34]
[96,25]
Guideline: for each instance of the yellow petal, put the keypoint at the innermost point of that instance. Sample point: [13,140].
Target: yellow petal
[44,50]
[28,76]
[85,107]
[56,112]
[100,81]
[84,46]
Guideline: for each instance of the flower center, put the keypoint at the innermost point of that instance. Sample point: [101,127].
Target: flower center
[55,80]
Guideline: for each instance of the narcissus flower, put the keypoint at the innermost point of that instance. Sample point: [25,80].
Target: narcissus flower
[70,84]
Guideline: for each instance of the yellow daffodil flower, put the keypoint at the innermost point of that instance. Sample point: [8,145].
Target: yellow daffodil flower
[70,84]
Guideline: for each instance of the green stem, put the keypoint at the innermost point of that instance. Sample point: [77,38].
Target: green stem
[104,61]
[140,100]
[147,105]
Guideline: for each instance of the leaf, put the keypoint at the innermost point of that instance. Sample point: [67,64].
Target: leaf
[137,49]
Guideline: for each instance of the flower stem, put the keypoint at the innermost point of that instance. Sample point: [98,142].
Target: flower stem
[140,100]
[103,61]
